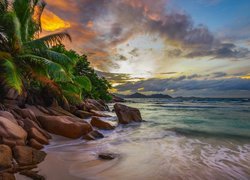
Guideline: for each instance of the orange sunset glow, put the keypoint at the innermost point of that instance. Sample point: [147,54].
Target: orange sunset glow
[51,22]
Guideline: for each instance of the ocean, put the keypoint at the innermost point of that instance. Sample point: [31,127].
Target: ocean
[183,138]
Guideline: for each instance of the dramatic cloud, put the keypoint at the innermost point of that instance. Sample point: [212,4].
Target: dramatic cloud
[151,47]
[101,25]
[184,84]
[226,50]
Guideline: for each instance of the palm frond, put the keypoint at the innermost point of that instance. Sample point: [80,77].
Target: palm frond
[59,58]
[37,14]
[4,55]
[72,92]
[51,40]
[55,70]
[4,4]
[42,77]
[83,82]
[12,29]
[11,76]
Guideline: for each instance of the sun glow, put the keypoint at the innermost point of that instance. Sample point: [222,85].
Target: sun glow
[245,76]
[51,22]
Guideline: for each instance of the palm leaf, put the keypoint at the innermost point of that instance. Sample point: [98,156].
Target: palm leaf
[84,82]
[55,70]
[50,40]
[59,58]
[11,76]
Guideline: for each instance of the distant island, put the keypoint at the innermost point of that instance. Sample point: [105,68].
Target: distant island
[139,95]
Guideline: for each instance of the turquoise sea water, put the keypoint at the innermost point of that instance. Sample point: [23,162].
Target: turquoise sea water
[199,116]
[182,139]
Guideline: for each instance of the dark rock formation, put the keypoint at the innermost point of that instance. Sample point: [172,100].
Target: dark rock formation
[65,126]
[127,114]
[100,124]
[11,133]
[5,157]
[25,155]
[93,135]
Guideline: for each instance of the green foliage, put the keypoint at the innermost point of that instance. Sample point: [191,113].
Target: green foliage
[24,57]
[27,61]
[82,68]
[100,84]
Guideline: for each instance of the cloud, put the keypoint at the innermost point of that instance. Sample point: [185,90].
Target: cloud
[183,84]
[224,50]
[118,78]
[219,74]
[134,52]
[100,26]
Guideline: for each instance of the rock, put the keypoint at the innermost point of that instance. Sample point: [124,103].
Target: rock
[73,109]
[35,134]
[5,157]
[93,135]
[58,111]
[27,113]
[89,104]
[25,155]
[100,124]
[99,113]
[83,114]
[8,115]
[65,126]
[105,106]
[11,104]
[32,175]
[8,142]
[7,176]
[127,114]
[11,94]
[12,132]
[2,108]
[107,156]
[117,99]
[28,124]
[33,143]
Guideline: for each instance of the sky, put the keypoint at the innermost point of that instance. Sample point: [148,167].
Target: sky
[176,47]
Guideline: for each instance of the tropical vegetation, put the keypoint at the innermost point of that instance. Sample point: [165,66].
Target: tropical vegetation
[28,61]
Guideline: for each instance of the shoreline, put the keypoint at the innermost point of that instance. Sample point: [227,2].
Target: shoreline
[31,127]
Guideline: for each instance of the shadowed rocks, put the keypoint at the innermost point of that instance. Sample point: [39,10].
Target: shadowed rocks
[127,114]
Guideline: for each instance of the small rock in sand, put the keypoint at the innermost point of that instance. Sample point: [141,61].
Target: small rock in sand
[107,156]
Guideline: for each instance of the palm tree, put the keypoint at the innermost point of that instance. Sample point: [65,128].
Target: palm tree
[23,56]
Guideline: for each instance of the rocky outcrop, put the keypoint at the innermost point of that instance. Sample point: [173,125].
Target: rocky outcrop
[35,144]
[116,98]
[25,155]
[11,133]
[83,114]
[100,124]
[8,116]
[38,136]
[127,114]
[91,104]
[7,176]
[99,113]
[26,113]
[93,135]
[28,124]
[65,126]
[32,175]
[5,157]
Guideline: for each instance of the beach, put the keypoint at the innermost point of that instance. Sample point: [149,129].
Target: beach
[181,139]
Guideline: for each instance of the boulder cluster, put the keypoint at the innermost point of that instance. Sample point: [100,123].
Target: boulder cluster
[25,130]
